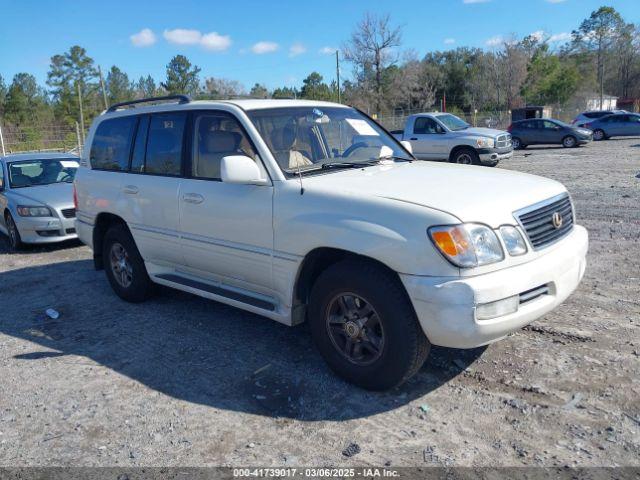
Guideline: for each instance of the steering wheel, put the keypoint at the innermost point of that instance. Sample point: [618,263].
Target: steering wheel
[65,176]
[353,148]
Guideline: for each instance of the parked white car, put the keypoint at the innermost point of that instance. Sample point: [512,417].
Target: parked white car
[443,136]
[301,210]
[36,197]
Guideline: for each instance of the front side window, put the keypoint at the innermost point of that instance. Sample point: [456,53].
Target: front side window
[549,125]
[164,144]
[217,135]
[29,173]
[112,144]
[314,138]
[425,125]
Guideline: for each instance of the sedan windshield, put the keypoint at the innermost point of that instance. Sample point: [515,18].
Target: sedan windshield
[324,138]
[29,173]
[452,122]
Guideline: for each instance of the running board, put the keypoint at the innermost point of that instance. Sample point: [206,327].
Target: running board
[220,291]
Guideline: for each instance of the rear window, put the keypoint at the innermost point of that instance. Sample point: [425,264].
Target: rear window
[164,144]
[112,144]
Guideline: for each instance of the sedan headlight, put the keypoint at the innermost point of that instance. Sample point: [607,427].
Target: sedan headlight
[513,240]
[485,143]
[34,211]
[467,245]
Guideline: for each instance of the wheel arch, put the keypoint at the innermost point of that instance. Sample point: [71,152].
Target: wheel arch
[459,148]
[103,222]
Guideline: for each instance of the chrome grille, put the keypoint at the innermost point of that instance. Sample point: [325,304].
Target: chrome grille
[538,222]
[503,141]
[69,212]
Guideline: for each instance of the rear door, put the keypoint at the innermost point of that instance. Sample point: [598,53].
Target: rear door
[149,192]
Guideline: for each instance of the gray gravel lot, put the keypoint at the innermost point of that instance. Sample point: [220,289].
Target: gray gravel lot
[172,381]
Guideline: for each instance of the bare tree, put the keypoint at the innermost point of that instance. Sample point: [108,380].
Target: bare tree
[371,50]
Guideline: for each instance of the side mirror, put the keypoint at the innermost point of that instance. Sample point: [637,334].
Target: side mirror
[407,146]
[241,170]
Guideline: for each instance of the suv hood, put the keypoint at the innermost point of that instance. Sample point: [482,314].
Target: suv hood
[470,193]
[479,132]
[55,195]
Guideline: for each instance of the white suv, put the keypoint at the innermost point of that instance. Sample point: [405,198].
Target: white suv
[300,210]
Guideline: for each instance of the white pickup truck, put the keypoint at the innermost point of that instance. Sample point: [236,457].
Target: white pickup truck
[310,211]
[443,136]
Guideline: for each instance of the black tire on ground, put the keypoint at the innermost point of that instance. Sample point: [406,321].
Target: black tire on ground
[404,346]
[465,156]
[125,267]
[569,141]
[517,144]
[15,241]
[598,134]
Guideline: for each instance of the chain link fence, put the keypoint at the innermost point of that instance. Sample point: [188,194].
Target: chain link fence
[53,138]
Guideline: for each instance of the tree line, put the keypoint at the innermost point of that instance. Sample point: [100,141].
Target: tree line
[602,56]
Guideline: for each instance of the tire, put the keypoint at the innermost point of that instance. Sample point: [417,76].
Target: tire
[517,144]
[125,267]
[465,156]
[403,347]
[598,135]
[569,141]
[15,241]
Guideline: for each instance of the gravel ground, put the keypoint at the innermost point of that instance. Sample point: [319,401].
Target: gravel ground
[184,381]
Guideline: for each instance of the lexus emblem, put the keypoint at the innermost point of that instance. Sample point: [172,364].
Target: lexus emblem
[557,219]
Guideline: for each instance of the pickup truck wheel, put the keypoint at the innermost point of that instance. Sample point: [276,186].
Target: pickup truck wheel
[466,156]
[569,141]
[124,266]
[365,327]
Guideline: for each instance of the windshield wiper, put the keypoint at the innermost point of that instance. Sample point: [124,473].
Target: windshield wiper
[349,164]
[397,158]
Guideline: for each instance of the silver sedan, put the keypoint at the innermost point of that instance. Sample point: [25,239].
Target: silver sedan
[36,197]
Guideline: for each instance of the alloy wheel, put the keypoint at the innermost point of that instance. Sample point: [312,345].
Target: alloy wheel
[12,229]
[569,142]
[355,329]
[121,265]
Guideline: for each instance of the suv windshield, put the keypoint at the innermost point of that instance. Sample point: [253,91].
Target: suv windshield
[452,122]
[314,138]
[29,173]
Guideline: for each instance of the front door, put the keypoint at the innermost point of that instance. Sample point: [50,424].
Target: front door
[429,139]
[226,229]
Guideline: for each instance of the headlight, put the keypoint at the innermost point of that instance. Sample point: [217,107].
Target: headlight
[513,240]
[467,245]
[485,142]
[34,211]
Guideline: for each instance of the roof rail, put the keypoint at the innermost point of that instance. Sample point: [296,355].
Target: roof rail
[180,98]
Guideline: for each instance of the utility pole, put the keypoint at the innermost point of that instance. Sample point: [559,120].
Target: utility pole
[81,113]
[2,142]
[338,73]
[104,91]
[78,139]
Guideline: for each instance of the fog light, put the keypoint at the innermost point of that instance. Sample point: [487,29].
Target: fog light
[486,311]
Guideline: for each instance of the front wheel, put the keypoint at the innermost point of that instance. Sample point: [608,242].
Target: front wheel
[517,144]
[598,135]
[365,327]
[125,267]
[15,241]
[569,141]
[466,156]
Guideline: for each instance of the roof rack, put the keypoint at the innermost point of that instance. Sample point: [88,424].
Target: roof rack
[180,99]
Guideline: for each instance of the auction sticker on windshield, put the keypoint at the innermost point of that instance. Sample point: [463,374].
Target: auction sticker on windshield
[361,126]
[69,164]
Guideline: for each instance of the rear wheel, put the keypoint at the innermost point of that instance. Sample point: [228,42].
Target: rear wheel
[466,156]
[365,327]
[569,141]
[15,241]
[599,134]
[125,267]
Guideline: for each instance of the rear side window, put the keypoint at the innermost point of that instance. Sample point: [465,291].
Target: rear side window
[164,144]
[112,144]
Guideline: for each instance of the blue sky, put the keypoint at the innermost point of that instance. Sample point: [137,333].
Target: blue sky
[275,43]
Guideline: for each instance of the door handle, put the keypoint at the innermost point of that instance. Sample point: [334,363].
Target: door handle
[130,189]
[195,198]
[414,138]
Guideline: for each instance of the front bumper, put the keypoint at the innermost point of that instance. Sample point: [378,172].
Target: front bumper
[494,155]
[45,229]
[446,306]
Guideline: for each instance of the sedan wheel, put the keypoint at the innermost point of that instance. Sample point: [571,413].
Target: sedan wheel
[15,242]
[516,143]
[598,135]
[569,142]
